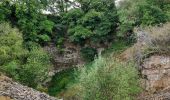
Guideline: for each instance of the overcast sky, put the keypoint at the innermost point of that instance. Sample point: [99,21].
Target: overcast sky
[48,12]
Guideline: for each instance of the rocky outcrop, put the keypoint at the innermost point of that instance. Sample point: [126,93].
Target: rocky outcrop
[68,57]
[151,53]
[10,90]
[163,95]
[156,73]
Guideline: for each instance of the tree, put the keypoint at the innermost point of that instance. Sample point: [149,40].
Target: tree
[93,21]
[143,13]
[28,67]
[35,26]
[5,10]
[146,12]
[27,15]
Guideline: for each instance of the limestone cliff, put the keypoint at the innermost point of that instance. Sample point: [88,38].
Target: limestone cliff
[152,55]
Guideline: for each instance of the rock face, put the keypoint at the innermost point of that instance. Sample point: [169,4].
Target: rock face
[156,73]
[10,90]
[154,68]
[68,57]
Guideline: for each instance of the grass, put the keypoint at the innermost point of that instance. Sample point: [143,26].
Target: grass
[116,48]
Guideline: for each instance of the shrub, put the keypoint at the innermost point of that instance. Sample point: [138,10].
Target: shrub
[160,39]
[143,12]
[46,26]
[151,40]
[36,69]
[10,44]
[11,68]
[91,19]
[79,33]
[88,54]
[105,79]
[27,16]
[72,17]
[92,23]
[28,67]
[108,79]
[44,38]
[60,81]
[5,10]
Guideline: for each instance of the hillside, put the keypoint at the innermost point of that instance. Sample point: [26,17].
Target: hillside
[85,49]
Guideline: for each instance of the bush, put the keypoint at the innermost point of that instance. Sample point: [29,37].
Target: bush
[28,67]
[72,17]
[60,81]
[143,12]
[79,33]
[5,10]
[93,23]
[36,69]
[88,54]
[159,39]
[28,17]
[10,44]
[108,79]
[44,38]
[91,19]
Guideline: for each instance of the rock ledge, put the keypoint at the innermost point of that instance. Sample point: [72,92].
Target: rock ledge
[10,90]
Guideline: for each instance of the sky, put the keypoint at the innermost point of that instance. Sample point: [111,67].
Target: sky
[48,12]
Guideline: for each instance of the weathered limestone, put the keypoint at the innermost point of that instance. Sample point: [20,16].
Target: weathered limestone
[156,73]
[10,90]
[69,57]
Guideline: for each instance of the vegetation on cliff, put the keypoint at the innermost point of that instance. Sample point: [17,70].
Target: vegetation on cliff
[91,25]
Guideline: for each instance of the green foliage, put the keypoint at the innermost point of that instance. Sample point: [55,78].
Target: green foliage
[90,22]
[10,44]
[28,17]
[88,54]
[145,12]
[91,19]
[60,82]
[60,44]
[79,33]
[11,68]
[36,69]
[35,26]
[44,38]
[46,26]
[4,10]
[72,17]
[116,48]
[108,79]
[151,15]
[28,67]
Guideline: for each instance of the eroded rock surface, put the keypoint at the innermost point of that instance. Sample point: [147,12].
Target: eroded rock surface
[10,90]
[68,57]
[156,73]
